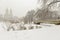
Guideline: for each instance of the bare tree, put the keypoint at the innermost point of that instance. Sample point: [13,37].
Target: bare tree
[45,13]
[29,16]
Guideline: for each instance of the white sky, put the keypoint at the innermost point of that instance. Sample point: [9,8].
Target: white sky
[19,7]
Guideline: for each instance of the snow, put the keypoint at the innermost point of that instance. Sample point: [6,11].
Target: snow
[49,33]
[46,33]
[3,26]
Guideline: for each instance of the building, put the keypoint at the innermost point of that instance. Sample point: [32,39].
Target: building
[8,14]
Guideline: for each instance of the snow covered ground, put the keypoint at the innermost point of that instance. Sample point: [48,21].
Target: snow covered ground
[48,32]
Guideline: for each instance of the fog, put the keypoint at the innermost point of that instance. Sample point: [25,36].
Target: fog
[19,7]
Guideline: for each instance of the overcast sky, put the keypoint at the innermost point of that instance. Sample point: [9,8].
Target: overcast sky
[19,7]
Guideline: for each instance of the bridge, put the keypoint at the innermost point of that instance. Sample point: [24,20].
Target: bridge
[54,21]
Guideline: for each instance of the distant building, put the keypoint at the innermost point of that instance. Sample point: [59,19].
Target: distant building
[8,14]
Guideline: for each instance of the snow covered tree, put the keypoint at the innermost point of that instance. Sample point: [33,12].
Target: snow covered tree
[29,16]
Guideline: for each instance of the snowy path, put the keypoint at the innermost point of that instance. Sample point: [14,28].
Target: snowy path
[48,33]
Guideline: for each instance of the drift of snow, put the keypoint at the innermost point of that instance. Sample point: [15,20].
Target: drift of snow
[48,33]
[3,26]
